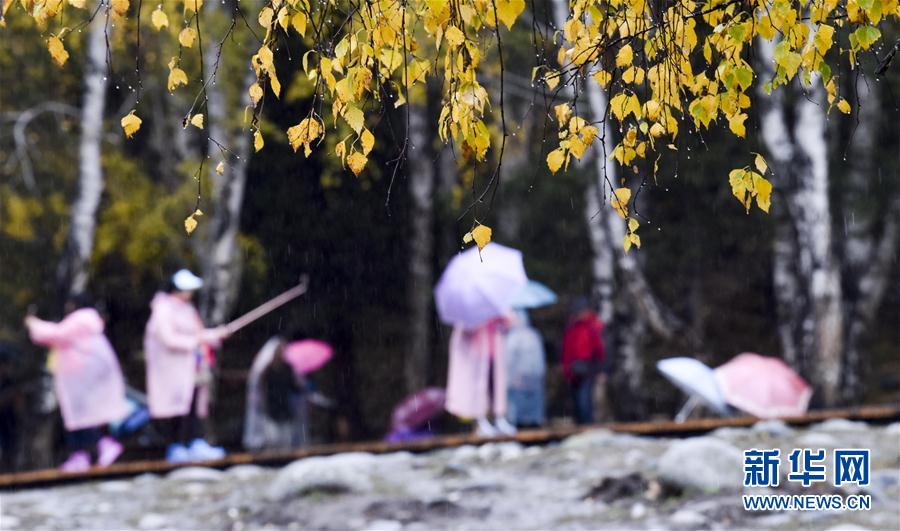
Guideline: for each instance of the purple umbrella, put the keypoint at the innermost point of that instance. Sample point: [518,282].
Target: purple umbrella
[476,287]
[418,408]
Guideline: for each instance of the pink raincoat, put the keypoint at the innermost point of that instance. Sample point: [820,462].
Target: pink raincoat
[86,373]
[172,346]
[471,354]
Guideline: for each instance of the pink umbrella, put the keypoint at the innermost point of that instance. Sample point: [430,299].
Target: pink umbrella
[307,355]
[763,386]
[418,408]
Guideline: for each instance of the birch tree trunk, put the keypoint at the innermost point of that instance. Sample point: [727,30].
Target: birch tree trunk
[629,312]
[221,260]
[421,252]
[807,277]
[74,268]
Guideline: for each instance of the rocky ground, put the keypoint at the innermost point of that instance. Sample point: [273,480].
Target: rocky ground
[593,480]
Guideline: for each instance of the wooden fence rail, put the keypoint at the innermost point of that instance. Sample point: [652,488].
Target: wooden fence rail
[52,477]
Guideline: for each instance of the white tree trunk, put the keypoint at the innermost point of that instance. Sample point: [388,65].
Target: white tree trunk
[795,137]
[640,308]
[421,251]
[74,269]
[222,265]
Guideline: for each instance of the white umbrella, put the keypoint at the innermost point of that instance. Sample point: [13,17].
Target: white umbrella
[697,380]
[476,287]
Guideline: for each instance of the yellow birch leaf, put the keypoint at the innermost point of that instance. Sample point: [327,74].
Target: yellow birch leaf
[197,121]
[258,141]
[159,19]
[192,6]
[357,162]
[299,23]
[119,7]
[274,84]
[186,37]
[304,133]
[130,124]
[633,225]
[635,239]
[220,168]
[454,36]
[508,11]
[354,117]
[602,77]
[763,192]
[482,236]
[619,201]
[736,124]
[265,17]
[266,59]
[760,163]
[844,106]
[256,93]
[77,3]
[563,112]
[626,243]
[190,222]
[368,141]
[177,77]
[625,56]
[555,159]
[57,51]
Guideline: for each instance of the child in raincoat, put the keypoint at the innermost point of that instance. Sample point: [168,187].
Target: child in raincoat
[476,376]
[176,347]
[88,381]
[526,370]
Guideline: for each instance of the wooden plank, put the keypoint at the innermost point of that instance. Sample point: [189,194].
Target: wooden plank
[36,478]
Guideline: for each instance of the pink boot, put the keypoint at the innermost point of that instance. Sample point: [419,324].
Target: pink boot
[77,462]
[108,450]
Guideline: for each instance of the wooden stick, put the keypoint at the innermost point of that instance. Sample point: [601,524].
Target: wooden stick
[268,306]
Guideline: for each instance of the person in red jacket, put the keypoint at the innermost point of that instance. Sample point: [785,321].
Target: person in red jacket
[583,357]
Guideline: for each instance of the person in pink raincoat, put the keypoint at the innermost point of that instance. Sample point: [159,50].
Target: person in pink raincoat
[176,347]
[88,381]
[476,376]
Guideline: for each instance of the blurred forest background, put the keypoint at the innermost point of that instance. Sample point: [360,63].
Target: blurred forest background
[709,280]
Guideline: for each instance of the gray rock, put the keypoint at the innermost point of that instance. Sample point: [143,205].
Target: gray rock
[814,439]
[152,521]
[115,486]
[504,451]
[773,428]
[590,439]
[465,452]
[244,472]
[8,522]
[383,525]
[687,518]
[146,478]
[350,472]
[195,473]
[703,463]
[729,434]
[841,425]
[638,511]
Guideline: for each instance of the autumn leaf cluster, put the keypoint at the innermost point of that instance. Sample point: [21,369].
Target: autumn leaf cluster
[666,68]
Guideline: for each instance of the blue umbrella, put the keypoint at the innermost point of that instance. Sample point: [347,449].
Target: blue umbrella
[533,295]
